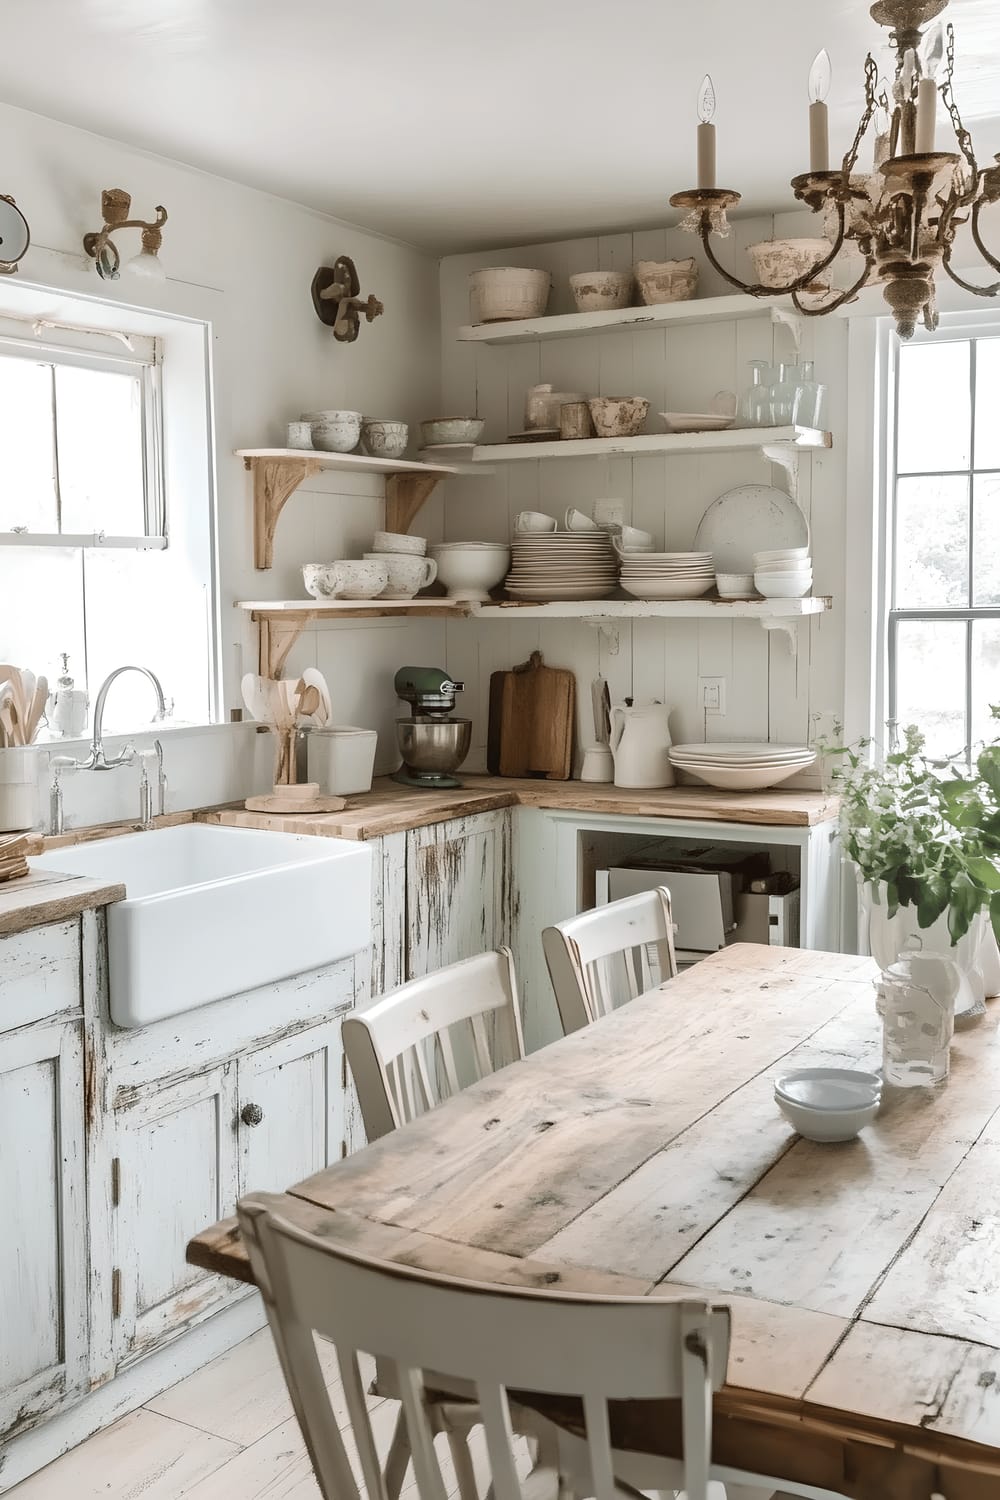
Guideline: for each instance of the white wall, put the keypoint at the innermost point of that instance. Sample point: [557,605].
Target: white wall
[770,693]
[243,261]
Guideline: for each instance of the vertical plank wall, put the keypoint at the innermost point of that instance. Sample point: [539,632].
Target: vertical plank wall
[770,692]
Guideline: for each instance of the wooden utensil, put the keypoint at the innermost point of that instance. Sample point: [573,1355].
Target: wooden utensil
[36,709]
[537,710]
[307,700]
[321,715]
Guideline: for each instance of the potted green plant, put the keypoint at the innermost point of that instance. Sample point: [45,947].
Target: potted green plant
[925,842]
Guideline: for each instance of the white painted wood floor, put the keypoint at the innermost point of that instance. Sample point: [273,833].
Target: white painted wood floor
[225,1433]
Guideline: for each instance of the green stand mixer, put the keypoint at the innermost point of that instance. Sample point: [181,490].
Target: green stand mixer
[432,744]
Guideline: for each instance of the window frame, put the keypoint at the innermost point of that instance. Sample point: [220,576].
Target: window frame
[956,329]
[148,370]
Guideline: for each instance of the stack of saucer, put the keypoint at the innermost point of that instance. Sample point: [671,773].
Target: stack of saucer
[784,574]
[667,575]
[741,765]
[562,565]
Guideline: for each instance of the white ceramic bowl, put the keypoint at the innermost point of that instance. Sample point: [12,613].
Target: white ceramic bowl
[828,1104]
[666,588]
[600,291]
[781,554]
[666,280]
[383,438]
[501,293]
[451,430]
[742,778]
[735,585]
[791,565]
[783,585]
[469,571]
[399,541]
[618,416]
[336,431]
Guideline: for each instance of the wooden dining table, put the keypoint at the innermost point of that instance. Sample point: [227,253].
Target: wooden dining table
[646,1155]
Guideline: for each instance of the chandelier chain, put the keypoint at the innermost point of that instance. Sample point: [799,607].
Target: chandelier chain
[871,104]
[948,96]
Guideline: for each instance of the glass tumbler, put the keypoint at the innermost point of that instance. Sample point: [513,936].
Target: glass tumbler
[809,409]
[783,394]
[916,1000]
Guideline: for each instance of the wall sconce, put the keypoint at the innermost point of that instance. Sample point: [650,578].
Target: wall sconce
[115,205]
[15,236]
[336,295]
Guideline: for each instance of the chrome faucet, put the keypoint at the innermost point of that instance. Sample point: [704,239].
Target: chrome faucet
[98,761]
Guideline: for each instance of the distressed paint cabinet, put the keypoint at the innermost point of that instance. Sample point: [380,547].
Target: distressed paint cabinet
[459,890]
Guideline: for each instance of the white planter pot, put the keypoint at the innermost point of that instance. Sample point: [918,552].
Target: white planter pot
[891,937]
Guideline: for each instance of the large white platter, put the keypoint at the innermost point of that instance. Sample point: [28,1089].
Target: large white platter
[752,518]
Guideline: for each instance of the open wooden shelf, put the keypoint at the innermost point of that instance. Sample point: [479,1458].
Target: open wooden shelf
[281,621]
[662,315]
[278,472]
[731,440]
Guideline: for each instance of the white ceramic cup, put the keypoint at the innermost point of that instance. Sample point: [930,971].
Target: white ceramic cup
[534,520]
[577,521]
[347,579]
[634,540]
[399,541]
[407,574]
[598,764]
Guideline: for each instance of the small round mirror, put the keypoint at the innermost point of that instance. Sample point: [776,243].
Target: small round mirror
[14,233]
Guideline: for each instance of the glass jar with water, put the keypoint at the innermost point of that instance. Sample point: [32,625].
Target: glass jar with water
[916,1000]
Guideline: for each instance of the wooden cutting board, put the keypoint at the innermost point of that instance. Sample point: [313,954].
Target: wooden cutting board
[532,713]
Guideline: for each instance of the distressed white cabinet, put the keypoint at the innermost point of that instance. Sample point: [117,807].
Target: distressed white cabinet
[291,1119]
[175,1170]
[43,1247]
[459,890]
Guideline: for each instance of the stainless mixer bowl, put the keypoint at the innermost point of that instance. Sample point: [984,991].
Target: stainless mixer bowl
[437,745]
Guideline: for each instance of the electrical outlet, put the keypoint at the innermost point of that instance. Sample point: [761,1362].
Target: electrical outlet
[712,695]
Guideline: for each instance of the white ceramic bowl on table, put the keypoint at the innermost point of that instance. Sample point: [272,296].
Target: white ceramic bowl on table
[828,1104]
[443,431]
[469,570]
[499,294]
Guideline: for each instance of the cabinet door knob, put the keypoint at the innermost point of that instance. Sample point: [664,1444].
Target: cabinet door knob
[251,1114]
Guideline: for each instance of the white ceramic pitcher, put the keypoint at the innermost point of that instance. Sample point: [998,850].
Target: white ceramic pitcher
[640,744]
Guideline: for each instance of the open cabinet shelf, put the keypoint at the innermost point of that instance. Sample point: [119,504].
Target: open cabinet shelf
[282,621]
[661,315]
[730,440]
[278,472]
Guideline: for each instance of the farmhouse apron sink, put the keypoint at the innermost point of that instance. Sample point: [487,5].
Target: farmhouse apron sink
[211,912]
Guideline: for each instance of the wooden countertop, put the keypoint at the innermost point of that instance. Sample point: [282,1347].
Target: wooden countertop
[392,808]
[46,896]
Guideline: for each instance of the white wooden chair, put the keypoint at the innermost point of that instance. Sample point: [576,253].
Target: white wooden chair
[494,1338]
[610,955]
[424,1042]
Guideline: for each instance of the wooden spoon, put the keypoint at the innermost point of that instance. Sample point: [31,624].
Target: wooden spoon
[308,700]
[36,709]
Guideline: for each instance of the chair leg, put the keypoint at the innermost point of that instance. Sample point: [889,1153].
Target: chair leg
[398,1459]
[461,1460]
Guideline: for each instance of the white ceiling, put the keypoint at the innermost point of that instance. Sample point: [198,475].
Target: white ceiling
[464,124]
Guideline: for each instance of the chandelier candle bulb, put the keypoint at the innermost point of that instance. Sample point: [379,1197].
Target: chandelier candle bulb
[706,134]
[819,116]
[927,88]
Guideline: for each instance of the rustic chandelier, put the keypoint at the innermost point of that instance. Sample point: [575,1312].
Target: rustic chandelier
[904,216]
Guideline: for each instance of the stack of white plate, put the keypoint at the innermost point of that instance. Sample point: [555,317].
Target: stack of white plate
[741,765]
[667,575]
[562,565]
[785,573]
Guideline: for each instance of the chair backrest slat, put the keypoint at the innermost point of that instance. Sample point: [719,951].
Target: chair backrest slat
[494,1338]
[614,953]
[357,1410]
[413,1048]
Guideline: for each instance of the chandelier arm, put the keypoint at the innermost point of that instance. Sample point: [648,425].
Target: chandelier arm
[848,296]
[758,289]
[967,286]
[990,260]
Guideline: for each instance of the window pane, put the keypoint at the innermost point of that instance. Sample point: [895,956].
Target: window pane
[934,407]
[47,583]
[27,489]
[987,403]
[932,542]
[986,539]
[985,679]
[100,451]
[930,681]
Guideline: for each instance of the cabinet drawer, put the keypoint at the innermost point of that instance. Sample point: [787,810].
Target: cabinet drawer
[39,974]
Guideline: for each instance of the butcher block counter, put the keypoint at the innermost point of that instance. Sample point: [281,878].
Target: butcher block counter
[49,897]
[391,808]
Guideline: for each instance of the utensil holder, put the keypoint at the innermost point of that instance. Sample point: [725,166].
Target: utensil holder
[291,756]
[18,789]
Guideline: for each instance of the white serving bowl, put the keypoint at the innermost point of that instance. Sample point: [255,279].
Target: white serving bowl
[399,541]
[828,1104]
[469,570]
[735,585]
[791,565]
[444,430]
[783,585]
[501,293]
[740,778]
[336,431]
[666,588]
[601,291]
[781,554]
[666,280]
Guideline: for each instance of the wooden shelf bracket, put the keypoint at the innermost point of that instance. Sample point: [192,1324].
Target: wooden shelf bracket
[274,481]
[404,496]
